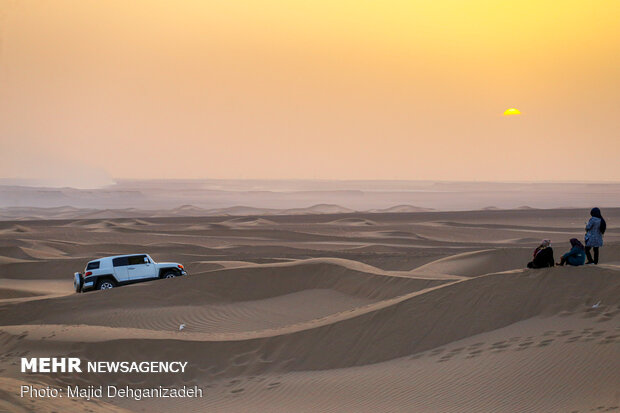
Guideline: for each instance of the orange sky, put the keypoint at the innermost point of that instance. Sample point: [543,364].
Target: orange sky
[93,90]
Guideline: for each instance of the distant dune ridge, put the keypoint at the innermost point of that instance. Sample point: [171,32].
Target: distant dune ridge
[29,213]
[327,310]
[259,197]
[402,208]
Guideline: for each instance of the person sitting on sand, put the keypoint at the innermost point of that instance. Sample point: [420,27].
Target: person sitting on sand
[576,256]
[543,256]
[594,234]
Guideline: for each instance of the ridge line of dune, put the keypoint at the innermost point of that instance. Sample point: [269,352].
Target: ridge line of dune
[342,262]
[197,336]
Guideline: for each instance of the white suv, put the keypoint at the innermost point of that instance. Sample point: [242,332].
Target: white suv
[109,272]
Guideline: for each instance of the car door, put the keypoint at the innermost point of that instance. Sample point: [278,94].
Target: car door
[120,268]
[140,267]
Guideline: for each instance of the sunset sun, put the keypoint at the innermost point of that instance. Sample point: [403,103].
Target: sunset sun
[512,111]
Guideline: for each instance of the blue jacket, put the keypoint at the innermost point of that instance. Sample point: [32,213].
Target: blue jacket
[594,237]
[576,256]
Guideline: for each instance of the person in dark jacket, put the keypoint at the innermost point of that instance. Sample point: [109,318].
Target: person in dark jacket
[576,256]
[594,234]
[543,256]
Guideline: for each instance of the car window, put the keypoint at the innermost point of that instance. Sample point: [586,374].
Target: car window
[93,265]
[120,261]
[137,259]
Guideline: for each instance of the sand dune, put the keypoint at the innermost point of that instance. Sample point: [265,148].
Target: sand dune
[247,222]
[495,371]
[15,253]
[471,264]
[352,221]
[319,209]
[402,208]
[63,213]
[10,293]
[333,313]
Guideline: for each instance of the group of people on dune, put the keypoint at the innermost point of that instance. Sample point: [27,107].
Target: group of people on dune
[595,228]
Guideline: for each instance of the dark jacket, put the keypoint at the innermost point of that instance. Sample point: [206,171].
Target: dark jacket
[543,259]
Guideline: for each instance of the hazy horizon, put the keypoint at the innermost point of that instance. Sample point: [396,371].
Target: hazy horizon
[358,195]
[42,183]
[92,92]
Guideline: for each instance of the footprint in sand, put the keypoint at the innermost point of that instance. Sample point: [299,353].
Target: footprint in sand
[436,352]
[545,343]
[499,346]
[593,335]
[474,353]
[573,339]
[525,345]
[445,357]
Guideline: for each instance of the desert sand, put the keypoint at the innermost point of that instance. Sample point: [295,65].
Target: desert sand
[306,312]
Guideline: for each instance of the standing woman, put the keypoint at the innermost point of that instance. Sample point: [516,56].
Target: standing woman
[594,234]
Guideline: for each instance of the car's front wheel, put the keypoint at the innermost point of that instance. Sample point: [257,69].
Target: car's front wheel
[105,284]
[170,275]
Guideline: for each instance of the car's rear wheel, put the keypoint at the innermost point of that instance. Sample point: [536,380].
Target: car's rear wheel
[105,284]
[170,275]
